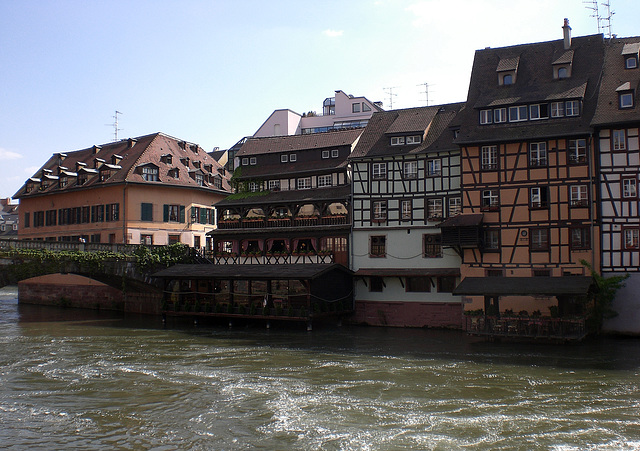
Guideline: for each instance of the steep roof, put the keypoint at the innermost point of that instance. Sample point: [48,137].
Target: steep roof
[429,122]
[124,158]
[534,82]
[290,143]
[616,78]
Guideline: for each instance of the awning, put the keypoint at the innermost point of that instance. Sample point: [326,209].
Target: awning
[524,286]
[246,272]
[465,220]
[407,272]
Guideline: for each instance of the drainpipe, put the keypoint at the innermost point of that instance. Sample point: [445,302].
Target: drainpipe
[596,206]
[124,213]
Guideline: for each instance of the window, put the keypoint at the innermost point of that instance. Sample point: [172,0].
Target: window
[631,238]
[253,161]
[489,157]
[378,246]
[325,154]
[379,171]
[304,183]
[418,284]
[410,169]
[539,197]
[539,239]
[538,154]
[631,62]
[397,141]
[434,208]
[284,158]
[113,212]
[149,174]
[577,151]
[245,161]
[63,181]
[415,139]
[293,157]
[489,200]
[572,108]
[563,72]
[578,196]
[500,115]
[97,213]
[335,153]
[406,210]
[538,111]
[365,107]
[517,113]
[254,187]
[446,284]
[434,167]
[50,217]
[557,109]
[106,173]
[355,107]
[26,220]
[274,185]
[146,240]
[580,238]
[324,180]
[491,240]
[432,245]
[379,212]
[486,117]
[199,178]
[173,213]
[376,283]
[629,188]
[626,100]
[619,138]
[146,213]
[507,79]
[455,206]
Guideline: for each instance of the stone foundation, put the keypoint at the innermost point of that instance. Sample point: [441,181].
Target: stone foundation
[409,314]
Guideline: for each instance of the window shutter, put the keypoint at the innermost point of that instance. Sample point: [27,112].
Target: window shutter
[203,215]
[181,213]
[165,214]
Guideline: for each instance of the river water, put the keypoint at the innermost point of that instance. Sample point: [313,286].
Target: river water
[74,379]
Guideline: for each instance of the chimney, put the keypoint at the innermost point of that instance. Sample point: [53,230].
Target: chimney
[566,32]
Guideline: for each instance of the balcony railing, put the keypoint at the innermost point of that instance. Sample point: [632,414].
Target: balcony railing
[301,221]
[267,258]
[526,327]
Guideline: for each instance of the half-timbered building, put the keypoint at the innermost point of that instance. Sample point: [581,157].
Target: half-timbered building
[406,180]
[528,171]
[616,124]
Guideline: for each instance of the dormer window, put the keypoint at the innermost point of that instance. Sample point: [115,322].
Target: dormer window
[414,139]
[253,161]
[245,161]
[63,181]
[631,62]
[562,65]
[630,54]
[397,141]
[563,72]
[167,158]
[507,70]
[104,175]
[626,99]
[175,173]
[82,178]
[284,158]
[199,178]
[507,79]
[150,173]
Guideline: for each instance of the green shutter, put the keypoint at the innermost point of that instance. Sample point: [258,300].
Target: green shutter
[165,209]
[181,213]
[203,216]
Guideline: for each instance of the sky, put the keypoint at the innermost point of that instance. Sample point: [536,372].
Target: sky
[211,72]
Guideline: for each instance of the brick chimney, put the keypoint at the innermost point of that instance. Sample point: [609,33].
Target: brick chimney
[566,32]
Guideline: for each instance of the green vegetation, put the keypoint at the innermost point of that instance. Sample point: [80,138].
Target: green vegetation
[599,307]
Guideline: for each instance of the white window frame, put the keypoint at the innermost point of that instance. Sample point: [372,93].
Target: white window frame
[355,107]
[325,154]
[410,169]
[397,140]
[253,161]
[619,139]
[379,211]
[303,183]
[406,209]
[274,184]
[254,187]
[413,139]
[284,158]
[150,174]
[490,199]
[629,188]
[434,167]
[435,208]
[293,158]
[379,171]
[518,113]
[325,180]
[335,153]
[572,108]
[557,109]
[539,197]
[499,115]
[579,196]
[577,151]
[455,206]
[486,117]
[626,100]
[538,156]
[489,157]
[631,62]
[631,238]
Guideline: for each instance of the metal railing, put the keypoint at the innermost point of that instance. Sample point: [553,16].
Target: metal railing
[527,327]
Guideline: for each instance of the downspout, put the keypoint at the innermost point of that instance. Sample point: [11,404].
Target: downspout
[124,214]
[597,203]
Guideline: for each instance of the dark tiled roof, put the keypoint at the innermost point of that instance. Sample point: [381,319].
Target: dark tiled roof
[463,221]
[320,166]
[135,153]
[408,272]
[264,272]
[432,120]
[524,286]
[534,83]
[335,193]
[614,76]
[290,143]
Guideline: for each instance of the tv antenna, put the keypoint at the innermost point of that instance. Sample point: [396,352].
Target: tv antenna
[603,28]
[115,125]
[426,91]
[391,96]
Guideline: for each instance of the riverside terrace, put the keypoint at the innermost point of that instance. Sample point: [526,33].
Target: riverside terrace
[286,292]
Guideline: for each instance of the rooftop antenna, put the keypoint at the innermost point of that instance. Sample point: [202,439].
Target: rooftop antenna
[602,28]
[115,126]
[391,96]
[607,19]
[426,91]
[594,7]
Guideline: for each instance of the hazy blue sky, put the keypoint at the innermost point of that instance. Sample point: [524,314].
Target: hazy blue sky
[211,72]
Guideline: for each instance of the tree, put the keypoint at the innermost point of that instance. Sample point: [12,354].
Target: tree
[601,306]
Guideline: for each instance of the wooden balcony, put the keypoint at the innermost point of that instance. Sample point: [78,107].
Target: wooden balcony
[267,258]
[527,328]
[270,223]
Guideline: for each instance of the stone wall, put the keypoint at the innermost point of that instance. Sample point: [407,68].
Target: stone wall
[409,314]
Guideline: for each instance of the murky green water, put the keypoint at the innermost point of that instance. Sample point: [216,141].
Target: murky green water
[71,380]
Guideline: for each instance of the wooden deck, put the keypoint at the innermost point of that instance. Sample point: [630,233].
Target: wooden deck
[529,328]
